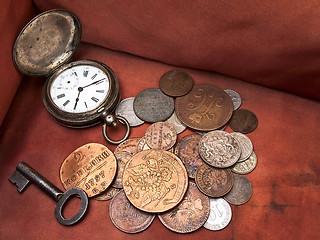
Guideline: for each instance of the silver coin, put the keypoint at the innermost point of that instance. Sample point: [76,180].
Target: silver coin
[176,123]
[247,166]
[125,109]
[220,128]
[245,145]
[220,214]
[235,97]
[152,105]
[142,144]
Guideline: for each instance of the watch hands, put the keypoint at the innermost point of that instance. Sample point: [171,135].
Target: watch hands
[94,82]
[80,89]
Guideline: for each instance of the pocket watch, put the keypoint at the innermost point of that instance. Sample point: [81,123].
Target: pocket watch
[76,94]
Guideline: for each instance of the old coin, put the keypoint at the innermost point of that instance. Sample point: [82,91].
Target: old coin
[219,149]
[205,108]
[176,83]
[244,121]
[245,145]
[190,214]
[91,167]
[125,109]
[213,182]
[187,150]
[241,191]
[220,128]
[247,166]
[126,217]
[176,123]
[107,194]
[161,135]
[122,159]
[152,105]
[155,180]
[220,214]
[142,144]
[235,97]
[129,146]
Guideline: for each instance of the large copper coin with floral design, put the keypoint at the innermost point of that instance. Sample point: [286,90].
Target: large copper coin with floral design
[161,135]
[155,180]
[190,214]
[205,108]
[214,182]
[219,149]
[187,150]
[126,217]
[91,167]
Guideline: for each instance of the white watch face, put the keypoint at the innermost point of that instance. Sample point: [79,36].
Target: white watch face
[79,89]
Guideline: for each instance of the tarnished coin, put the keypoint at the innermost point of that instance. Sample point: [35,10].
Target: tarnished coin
[126,217]
[205,108]
[129,146]
[245,145]
[142,144]
[91,167]
[243,121]
[247,166]
[107,194]
[122,159]
[125,109]
[176,123]
[152,105]
[213,182]
[161,135]
[176,83]
[219,149]
[241,191]
[155,180]
[220,214]
[235,97]
[190,214]
[187,150]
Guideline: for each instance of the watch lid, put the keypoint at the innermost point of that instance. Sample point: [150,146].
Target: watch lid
[48,41]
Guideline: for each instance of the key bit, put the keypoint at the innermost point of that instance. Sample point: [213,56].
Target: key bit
[19,180]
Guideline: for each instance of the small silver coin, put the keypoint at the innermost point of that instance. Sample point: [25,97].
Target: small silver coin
[176,123]
[235,97]
[152,105]
[245,145]
[220,214]
[247,166]
[125,109]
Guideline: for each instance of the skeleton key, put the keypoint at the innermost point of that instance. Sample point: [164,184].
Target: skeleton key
[24,174]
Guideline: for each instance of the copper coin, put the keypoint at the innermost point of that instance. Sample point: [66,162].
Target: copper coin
[241,191]
[142,144]
[205,108]
[213,182]
[219,149]
[243,121]
[155,180]
[190,214]
[176,83]
[161,135]
[152,105]
[91,167]
[107,194]
[187,150]
[129,146]
[247,166]
[126,217]
[122,159]
[245,145]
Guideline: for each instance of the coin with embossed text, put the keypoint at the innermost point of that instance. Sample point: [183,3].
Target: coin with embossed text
[107,194]
[247,166]
[176,123]
[241,191]
[204,108]
[129,146]
[176,83]
[152,105]
[161,135]
[219,149]
[190,214]
[213,182]
[125,109]
[220,214]
[91,167]
[155,180]
[142,144]
[235,97]
[122,159]
[245,145]
[243,120]
[126,217]
[188,151]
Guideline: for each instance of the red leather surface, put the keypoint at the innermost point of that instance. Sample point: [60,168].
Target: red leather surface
[286,183]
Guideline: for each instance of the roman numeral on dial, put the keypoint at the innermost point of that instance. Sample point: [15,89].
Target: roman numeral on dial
[94,99]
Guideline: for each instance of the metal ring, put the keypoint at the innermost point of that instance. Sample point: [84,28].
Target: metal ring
[83,208]
[123,121]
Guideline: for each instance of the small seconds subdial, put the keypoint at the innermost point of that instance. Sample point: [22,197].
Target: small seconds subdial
[79,89]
